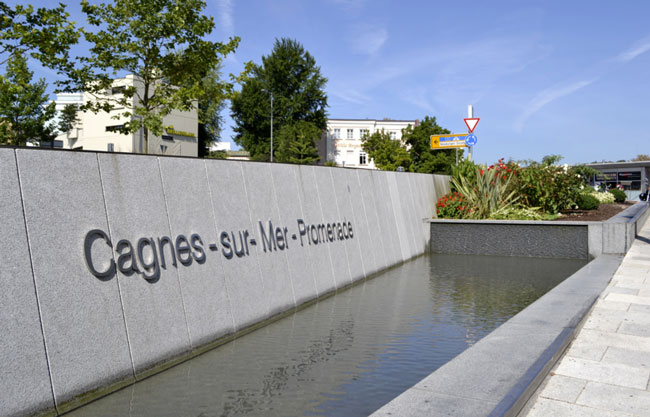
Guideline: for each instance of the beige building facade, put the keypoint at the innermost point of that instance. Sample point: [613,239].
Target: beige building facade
[102,131]
[343,139]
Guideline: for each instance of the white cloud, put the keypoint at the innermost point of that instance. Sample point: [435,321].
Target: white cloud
[351,96]
[369,40]
[547,96]
[640,47]
[226,16]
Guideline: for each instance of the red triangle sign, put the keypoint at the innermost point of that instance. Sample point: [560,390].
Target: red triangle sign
[471,123]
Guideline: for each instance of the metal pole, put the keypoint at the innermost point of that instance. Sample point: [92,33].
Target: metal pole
[456,156]
[470,114]
[271,126]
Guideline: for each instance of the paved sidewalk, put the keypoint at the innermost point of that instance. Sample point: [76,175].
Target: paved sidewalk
[606,370]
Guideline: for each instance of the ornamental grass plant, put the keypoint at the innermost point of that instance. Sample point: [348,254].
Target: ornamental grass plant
[490,192]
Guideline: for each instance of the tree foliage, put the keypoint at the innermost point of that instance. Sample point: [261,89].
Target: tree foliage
[211,106]
[642,157]
[68,118]
[163,44]
[425,159]
[296,143]
[291,75]
[41,33]
[388,154]
[24,115]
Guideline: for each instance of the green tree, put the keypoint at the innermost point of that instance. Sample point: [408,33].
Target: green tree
[388,154]
[143,37]
[425,159]
[296,143]
[24,115]
[210,108]
[291,75]
[642,157]
[41,33]
[68,118]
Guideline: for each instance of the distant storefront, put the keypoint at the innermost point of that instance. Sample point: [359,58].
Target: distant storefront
[631,176]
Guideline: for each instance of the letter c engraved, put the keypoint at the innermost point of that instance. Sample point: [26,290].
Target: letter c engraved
[88,243]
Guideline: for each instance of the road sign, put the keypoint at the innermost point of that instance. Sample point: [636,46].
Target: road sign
[471,140]
[471,123]
[448,141]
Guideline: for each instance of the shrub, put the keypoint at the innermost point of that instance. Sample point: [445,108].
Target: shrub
[604,198]
[452,206]
[619,196]
[550,187]
[519,213]
[489,192]
[586,201]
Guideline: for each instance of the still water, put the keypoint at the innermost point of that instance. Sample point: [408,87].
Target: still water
[351,353]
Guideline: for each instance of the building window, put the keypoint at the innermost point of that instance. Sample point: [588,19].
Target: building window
[350,133]
[392,134]
[363,158]
[118,90]
[115,128]
[337,134]
[363,132]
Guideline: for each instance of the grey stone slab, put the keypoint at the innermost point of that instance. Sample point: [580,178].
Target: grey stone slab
[414,219]
[25,381]
[331,214]
[265,218]
[546,407]
[289,199]
[346,188]
[388,221]
[82,317]
[607,373]
[203,285]
[399,211]
[248,299]
[375,231]
[153,307]
[510,239]
[563,388]
[313,212]
[417,403]
[608,397]
[627,357]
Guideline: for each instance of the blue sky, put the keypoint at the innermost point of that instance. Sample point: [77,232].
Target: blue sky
[545,77]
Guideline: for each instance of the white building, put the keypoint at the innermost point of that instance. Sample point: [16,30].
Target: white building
[343,139]
[101,131]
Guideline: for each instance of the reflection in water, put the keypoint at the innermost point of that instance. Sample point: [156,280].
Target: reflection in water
[351,353]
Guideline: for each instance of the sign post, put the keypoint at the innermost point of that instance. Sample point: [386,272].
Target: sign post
[470,126]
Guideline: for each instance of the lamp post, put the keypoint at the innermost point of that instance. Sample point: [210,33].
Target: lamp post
[271,94]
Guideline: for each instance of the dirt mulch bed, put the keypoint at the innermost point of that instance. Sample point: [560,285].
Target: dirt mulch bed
[603,212]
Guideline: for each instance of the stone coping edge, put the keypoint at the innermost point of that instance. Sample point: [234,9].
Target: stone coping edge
[497,375]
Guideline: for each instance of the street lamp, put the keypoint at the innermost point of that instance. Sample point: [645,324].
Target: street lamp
[271,94]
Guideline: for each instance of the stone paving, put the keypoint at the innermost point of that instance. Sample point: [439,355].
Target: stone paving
[606,370]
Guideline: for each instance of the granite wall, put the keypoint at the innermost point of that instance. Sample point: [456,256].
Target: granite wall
[112,264]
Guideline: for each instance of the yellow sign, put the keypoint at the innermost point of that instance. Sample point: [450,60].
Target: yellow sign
[448,141]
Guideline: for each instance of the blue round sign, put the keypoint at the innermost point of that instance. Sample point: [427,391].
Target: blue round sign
[470,140]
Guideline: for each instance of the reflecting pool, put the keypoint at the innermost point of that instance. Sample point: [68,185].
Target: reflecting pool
[351,353]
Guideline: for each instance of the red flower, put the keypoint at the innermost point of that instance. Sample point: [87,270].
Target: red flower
[481,172]
[442,204]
